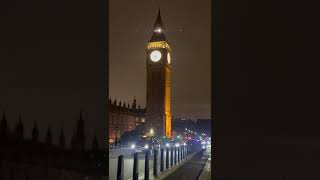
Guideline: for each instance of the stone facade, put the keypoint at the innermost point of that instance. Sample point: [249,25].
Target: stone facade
[123,117]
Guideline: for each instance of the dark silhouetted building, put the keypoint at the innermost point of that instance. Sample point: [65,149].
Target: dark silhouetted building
[31,159]
[204,126]
[179,124]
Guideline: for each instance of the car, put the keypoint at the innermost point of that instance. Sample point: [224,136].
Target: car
[148,143]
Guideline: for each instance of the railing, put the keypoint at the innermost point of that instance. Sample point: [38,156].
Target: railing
[169,158]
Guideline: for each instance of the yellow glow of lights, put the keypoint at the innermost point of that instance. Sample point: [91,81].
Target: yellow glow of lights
[158,44]
[151,131]
[168,103]
[158,30]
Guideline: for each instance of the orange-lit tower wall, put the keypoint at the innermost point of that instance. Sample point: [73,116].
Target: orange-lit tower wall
[158,59]
[168,102]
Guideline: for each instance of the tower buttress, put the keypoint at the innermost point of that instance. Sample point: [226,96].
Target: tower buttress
[49,136]
[19,130]
[35,132]
[62,140]
[134,104]
[78,139]
[4,126]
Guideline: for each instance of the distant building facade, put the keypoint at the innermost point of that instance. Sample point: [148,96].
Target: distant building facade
[200,125]
[204,125]
[30,159]
[123,117]
[179,125]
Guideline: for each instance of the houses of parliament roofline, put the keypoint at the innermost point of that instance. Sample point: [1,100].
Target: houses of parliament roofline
[126,108]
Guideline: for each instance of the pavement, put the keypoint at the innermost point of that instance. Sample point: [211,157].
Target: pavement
[206,172]
[193,168]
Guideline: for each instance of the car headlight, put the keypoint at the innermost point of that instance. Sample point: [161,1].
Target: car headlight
[133,146]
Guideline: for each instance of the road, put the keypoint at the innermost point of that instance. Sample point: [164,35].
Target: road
[191,169]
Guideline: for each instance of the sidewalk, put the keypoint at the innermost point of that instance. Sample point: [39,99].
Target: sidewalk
[206,172]
[175,168]
[191,169]
[163,175]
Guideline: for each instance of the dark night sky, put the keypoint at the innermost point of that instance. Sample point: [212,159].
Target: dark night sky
[188,25]
[52,63]
[266,79]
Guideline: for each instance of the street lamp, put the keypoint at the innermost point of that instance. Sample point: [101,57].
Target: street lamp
[146,146]
[133,146]
[177,145]
[167,144]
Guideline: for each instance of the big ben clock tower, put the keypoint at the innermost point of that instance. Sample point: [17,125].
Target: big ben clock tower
[158,114]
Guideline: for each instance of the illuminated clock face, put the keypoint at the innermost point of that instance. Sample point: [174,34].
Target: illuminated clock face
[155,56]
[168,58]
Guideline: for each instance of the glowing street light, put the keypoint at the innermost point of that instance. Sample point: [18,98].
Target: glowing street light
[167,144]
[151,131]
[177,145]
[158,30]
[184,144]
[133,146]
[146,146]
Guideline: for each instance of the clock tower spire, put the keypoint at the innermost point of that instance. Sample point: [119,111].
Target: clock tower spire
[158,30]
[158,114]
